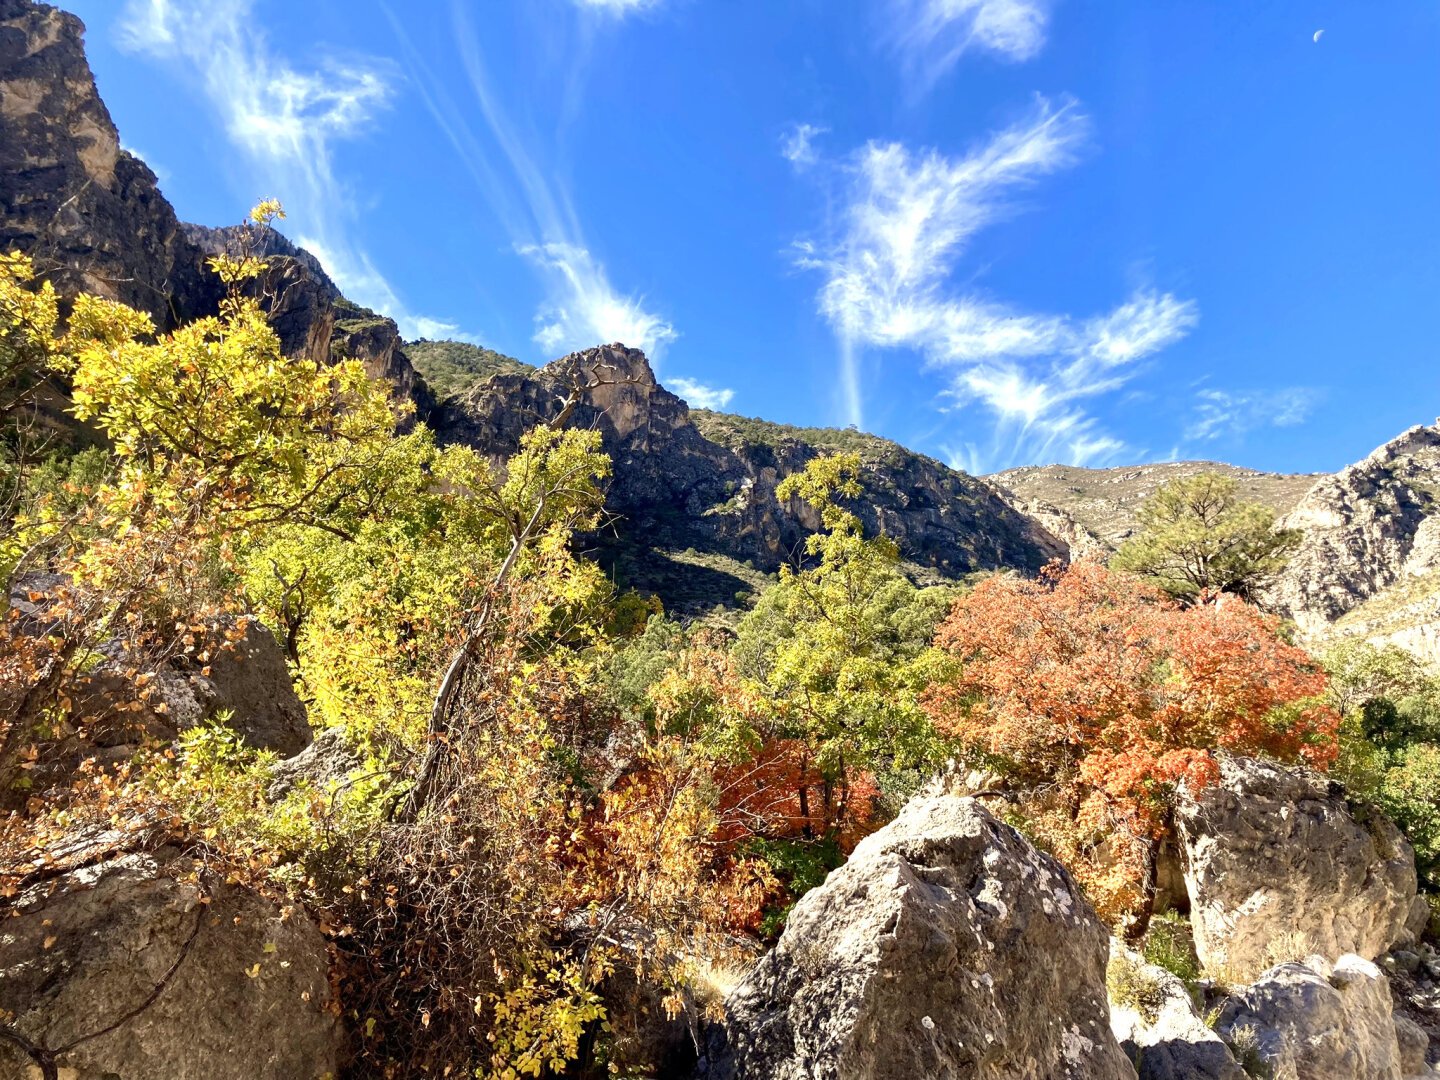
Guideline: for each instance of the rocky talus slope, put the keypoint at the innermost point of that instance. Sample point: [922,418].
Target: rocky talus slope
[675,489]
[1095,510]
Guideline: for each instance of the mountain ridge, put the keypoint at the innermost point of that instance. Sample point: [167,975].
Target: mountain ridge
[694,514]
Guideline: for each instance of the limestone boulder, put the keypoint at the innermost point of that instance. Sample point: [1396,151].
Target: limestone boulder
[124,967]
[1279,866]
[1159,1027]
[249,679]
[323,765]
[946,947]
[1302,1022]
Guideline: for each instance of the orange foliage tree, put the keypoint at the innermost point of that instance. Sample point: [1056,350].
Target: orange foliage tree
[1094,690]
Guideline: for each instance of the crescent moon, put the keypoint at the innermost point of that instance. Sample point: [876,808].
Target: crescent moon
[1316,38]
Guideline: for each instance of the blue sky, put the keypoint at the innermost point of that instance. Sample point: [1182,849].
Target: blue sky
[999,231]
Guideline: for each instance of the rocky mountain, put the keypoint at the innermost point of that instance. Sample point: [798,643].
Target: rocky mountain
[693,495]
[1095,510]
[90,213]
[1369,559]
[93,218]
[695,517]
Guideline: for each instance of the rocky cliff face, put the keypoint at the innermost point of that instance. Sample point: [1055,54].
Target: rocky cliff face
[94,220]
[313,318]
[88,212]
[674,488]
[1371,540]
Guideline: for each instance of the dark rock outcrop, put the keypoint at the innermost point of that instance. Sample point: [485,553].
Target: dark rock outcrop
[89,213]
[312,317]
[93,218]
[674,488]
[128,964]
[946,947]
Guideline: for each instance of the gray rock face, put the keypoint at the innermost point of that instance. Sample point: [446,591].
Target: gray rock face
[248,998]
[1366,528]
[248,678]
[675,488]
[1278,867]
[326,762]
[946,948]
[251,681]
[1159,1028]
[1306,1024]
[1413,1045]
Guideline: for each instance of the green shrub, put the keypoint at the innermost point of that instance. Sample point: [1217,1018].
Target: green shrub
[1169,944]
[1130,985]
[801,865]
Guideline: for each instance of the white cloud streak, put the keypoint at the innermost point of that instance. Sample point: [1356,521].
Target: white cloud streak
[797,146]
[582,308]
[287,122]
[910,218]
[617,8]
[1233,413]
[932,35]
[700,396]
[585,310]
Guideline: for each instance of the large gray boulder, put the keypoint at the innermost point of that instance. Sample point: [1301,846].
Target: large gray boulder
[1278,866]
[244,678]
[947,947]
[1158,1025]
[125,962]
[1305,1023]
[249,679]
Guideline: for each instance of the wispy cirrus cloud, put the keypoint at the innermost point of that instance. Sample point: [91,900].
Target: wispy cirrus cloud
[909,219]
[1233,413]
[700,396]
[585,310]
[582,308]
[797,145]
[616,7]
[932,35]
[287,121]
